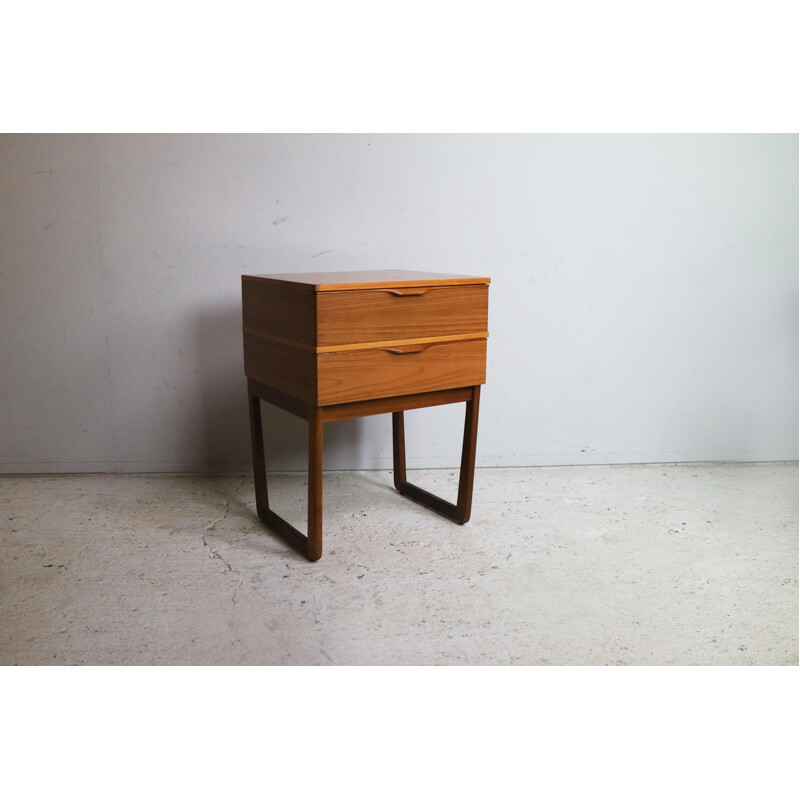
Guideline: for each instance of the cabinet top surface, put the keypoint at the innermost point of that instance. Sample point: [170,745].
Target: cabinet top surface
[370,278]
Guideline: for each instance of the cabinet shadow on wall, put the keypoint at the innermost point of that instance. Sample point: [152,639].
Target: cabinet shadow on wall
[224,419]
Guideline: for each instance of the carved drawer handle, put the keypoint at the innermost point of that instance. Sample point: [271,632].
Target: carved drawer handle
[406,349]
[407,293]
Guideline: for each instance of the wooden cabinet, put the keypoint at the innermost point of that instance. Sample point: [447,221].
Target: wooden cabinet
[331,345]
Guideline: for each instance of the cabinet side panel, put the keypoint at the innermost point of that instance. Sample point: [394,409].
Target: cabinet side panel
[289,369]
[280,309]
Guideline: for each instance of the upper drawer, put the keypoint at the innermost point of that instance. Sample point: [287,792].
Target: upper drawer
[374,315]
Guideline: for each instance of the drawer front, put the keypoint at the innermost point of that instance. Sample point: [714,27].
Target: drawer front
[353,375]
[378,315]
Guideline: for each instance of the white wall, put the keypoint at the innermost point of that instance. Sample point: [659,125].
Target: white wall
[643,305]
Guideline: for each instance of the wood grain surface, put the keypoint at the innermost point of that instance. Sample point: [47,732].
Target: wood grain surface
[375,315]
[365,374]
[368,278]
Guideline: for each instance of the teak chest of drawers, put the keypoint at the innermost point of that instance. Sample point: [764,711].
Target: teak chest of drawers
[333,345]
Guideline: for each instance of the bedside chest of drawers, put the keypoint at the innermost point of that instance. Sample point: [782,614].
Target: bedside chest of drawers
[334,345]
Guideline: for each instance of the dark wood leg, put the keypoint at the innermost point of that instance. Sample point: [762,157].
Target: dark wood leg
[259,465]
[310,546]
[399,449]
[460,512]
[314,545]
[468,448]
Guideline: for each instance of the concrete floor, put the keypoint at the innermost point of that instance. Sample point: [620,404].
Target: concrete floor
[684,564]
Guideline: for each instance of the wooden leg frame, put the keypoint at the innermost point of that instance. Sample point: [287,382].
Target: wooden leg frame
[310,544]
[461,510]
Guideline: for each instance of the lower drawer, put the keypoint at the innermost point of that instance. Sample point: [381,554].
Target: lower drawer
[353,375]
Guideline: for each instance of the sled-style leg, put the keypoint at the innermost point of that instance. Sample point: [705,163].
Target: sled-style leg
[460,512]
[311,545]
